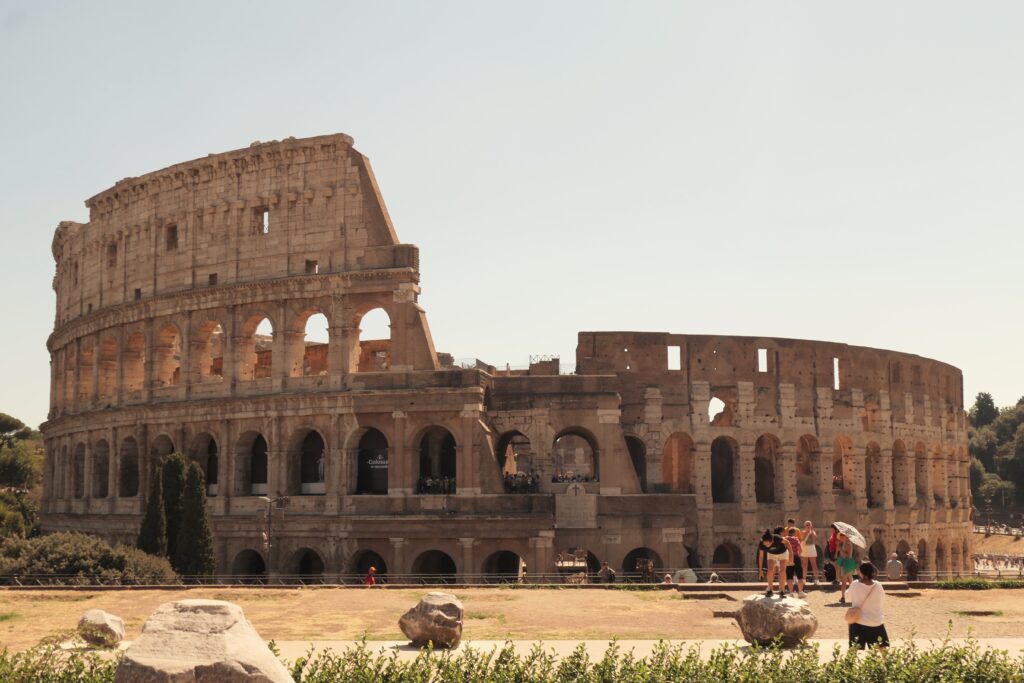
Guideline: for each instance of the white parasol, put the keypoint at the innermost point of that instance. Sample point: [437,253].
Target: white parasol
[851,533]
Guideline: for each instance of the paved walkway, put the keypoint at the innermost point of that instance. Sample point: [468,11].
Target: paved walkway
[292,649]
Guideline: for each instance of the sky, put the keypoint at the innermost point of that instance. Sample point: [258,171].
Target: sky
[839,171]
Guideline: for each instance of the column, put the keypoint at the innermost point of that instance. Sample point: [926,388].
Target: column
[467,568]
[543,563]
[114,467]
[675,555]
[787,480]
[858,464]
[400,476]
[90,455]
[398,556]
[887,481]
[828,498]
[336,362]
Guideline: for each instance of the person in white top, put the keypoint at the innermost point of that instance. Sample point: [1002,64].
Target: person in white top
[867,595]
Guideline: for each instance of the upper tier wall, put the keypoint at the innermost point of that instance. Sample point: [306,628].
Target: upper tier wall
[268,211]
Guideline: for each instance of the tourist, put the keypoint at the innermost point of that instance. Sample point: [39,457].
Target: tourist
[370,579]
[833,543]
[795,568]
[810,551]
[777,556]
[913,566]
[867,627]
[714,578]
[894,568]
[846,565]
[606,573]
[667,581]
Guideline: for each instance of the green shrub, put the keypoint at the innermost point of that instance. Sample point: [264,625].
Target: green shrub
[974,584]
[49,664]
[19,468]
[80,556]
[19,515]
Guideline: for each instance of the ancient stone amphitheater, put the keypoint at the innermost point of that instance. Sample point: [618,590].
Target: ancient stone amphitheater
[185,322]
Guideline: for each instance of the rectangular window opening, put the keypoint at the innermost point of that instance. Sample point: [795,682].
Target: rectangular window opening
[762,360]
[835,374]
[111,255]
[212,279]
[172,237]
[675,358]
[312,267]
[262,214]
[138,294]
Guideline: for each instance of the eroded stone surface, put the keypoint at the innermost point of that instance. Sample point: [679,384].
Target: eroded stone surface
[101,628]
[436,619]
[763,619]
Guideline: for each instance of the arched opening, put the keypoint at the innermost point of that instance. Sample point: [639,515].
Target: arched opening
[435,566]
[249,567]
[251,465]
[100,469]
[85,361]
[954,557]
[902,548]
[62,474]
[938,480]
[692,558]
[643,561]
[208,352]
[308,565]
[309,464]
[922,554]
[766,451]
[167,356]
[316,345]
[372,467]
[574,453]
[952,487]
[78,471]
[808,462]
[128,477]
[204,451]
[256,348]
[368,558]
[638,456]
[875,476]
[502,566]
[437,462]
[726,556]
[108,368]
[921,473]
[161,447]
[677,463]
[514,454]
[878,554]
[940,558]
[723,456]
[842,464]
[374,341]
[133,362]
[966,562]
[900,474]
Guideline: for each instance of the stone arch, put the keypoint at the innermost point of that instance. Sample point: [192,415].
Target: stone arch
[574,453]
[249,566]
[100,486]
[375,340]
[902,548]
[922,554]
[726,556]
[938,478]
[436,566]
[721,409]
[86,359]
[842,464]
[128,476]
[208,346]
[438,461]
[629,562]
[307,564]
[206,452]
[107,388]
[954,556]
[502,566]
[161,447]
[307,463]
[677,463]
[724,452]
[638,456]
[256,347]
[940,565]
[766,452]
[952,483]
[251,464]
[514,453]
[808,465]
[875,484]
[921,471]
[133,362]
[78,472]
[309,351]
[167,356]
[365,559]
[878,554]
[372,463]
[901,493]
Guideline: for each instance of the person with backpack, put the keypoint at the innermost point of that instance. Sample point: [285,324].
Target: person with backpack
[865,617]
[777,554]
[795,569]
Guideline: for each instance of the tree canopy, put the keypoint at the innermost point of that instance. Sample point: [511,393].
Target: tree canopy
[997,445]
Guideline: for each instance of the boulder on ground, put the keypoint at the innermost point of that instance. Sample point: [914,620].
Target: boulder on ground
[205,641]
[101,628]
[437,620]
[762,620]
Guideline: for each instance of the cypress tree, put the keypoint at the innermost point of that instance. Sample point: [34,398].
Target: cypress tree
[153,532]
[174,467]
[195,542]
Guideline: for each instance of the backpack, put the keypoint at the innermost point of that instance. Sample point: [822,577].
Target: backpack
[830,572]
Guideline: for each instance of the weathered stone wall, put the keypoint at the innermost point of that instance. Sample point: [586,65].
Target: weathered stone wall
[158,346]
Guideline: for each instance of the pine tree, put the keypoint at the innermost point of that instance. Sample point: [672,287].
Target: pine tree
[153,532]
[174,467]
[194,555]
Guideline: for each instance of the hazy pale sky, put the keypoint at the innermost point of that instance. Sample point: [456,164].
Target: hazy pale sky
[839,171]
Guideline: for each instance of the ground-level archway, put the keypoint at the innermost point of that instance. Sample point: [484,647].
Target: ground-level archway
[435,567]
[502,566]
[367,558]
[307,565]
[631,563]
[249,566]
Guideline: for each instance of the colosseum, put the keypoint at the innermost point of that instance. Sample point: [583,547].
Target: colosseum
[220,308]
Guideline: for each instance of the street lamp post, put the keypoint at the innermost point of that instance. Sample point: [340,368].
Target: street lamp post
[268,542]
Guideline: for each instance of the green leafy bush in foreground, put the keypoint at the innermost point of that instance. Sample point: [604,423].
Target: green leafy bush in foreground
[67,555]
[979,584]
[946,661]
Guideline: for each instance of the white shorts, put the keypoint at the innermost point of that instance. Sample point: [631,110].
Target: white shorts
[810,551]
[781,557]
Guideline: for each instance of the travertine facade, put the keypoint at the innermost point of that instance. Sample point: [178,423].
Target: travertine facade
[156,349]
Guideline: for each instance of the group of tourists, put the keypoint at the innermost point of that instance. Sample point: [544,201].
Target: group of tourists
[436,485]
[570,477]
[521,482]
[787,555]
[998,563]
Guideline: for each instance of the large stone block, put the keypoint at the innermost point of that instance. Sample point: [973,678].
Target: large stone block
[436,619]
[101,628]
[762,620]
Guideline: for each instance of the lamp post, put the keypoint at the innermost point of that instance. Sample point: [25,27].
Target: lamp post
[268,542]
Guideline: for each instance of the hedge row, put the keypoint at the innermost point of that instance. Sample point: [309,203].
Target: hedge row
[979,584]
[945,662]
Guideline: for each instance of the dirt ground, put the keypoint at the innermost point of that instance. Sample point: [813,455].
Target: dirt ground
[997,544]
[500,613]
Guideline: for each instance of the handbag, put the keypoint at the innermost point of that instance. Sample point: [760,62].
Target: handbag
[853,613]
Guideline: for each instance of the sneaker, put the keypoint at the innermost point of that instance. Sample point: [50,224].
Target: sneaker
[768,594]
[801,594]
[842,601]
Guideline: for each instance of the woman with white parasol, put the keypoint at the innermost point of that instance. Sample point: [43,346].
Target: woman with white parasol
[846,561]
